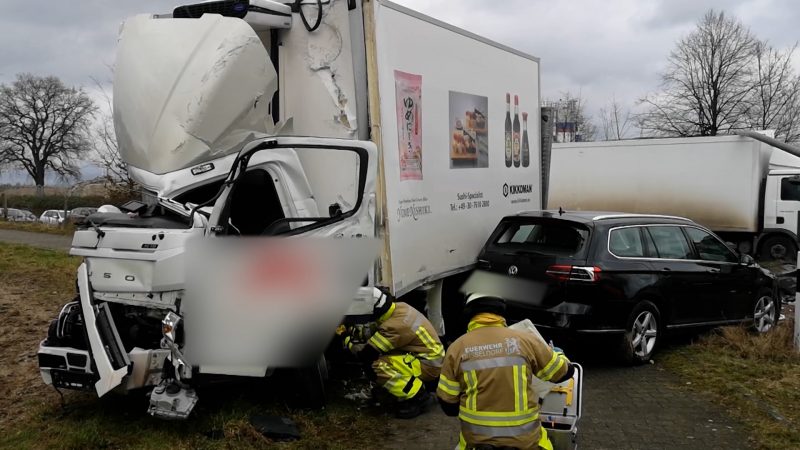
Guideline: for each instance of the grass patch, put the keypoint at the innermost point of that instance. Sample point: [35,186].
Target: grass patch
[36,227]
[756,378]
[34,284]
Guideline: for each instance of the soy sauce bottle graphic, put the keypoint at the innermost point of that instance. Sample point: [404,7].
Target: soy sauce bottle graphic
[508,130]
[526,152]
[515,148]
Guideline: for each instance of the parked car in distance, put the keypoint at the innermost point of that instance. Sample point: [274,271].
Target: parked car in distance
[633,276]
[79,214]
[52,217]
[17,215]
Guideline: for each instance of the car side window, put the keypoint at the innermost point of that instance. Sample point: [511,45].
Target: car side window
[670,242]
[626,242]
[708,247]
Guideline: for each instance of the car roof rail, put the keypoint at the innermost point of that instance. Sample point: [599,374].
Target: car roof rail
[634,216]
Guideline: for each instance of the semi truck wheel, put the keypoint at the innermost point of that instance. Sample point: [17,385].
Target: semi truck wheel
[778,248]
[310,385]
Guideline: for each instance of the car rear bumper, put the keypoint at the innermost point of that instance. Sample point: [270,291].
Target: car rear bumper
[572,318]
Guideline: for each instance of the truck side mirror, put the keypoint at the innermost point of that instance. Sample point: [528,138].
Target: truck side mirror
[747,260]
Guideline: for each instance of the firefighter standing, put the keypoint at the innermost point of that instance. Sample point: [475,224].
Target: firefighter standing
[485,380]
[405,353]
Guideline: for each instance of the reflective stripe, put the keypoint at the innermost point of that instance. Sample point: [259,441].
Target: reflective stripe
[497,418]
[501,431]
[449,383]
[553,367]
[435,349]
[472,389]
[432,362]
[448,389]
[518,407]
[381,342]
[524,389]
[492,363]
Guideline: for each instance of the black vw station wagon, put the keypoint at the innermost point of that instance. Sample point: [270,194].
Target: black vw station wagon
[635,276]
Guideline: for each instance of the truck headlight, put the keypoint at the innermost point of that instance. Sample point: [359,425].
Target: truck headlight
[170,326]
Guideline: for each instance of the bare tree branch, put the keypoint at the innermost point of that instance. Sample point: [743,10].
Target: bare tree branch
[44,126]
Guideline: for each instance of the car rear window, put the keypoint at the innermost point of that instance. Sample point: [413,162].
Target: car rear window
[546,237]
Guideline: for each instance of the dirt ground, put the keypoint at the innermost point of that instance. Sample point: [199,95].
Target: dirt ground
[25,322]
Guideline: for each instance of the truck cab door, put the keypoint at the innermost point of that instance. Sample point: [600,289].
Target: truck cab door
[284,187]
[787,201]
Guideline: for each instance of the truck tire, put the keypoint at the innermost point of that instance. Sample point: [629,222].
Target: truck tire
[778,248]
[642,335]
[310,385]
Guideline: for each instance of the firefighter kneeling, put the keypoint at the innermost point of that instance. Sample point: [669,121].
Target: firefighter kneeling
[486,380]
[405,353]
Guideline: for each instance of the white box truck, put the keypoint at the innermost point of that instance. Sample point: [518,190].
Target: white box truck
[362,118]
[746,187]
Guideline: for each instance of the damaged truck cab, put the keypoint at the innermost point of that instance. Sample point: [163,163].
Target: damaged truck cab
[273,118]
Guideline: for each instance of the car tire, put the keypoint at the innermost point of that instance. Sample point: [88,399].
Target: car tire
[778,248]
[766,312]
[642,333]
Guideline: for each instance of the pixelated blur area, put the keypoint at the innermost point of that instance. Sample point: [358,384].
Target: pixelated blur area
[253,303]
[519,290]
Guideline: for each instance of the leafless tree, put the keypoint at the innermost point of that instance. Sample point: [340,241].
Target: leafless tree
[775,101]
[616,121]
[571,121]
[707,85]
[106,148]
[44,125]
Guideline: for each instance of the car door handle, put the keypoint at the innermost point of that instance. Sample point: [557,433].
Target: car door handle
[666,269]
[713,270]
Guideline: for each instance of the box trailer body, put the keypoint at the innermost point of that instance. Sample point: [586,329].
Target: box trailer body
[217,114]
[737,186]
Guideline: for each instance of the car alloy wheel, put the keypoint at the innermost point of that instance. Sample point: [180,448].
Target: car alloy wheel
[764,315]
[645,333]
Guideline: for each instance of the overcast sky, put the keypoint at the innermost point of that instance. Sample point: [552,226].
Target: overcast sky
[598,48]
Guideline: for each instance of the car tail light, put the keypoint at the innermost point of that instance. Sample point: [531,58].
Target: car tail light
[573,273]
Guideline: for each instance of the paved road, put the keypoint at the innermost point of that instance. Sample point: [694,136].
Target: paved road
[43,240]
[642,407]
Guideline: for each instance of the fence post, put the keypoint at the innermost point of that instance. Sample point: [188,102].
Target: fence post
[5,205]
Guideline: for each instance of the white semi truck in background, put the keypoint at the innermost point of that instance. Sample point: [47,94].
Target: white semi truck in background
[339,119]
[744,187]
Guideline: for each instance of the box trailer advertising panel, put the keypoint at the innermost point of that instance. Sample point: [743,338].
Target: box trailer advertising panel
[458,152]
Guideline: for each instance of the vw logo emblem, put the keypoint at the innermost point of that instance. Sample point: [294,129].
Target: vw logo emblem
[513,270]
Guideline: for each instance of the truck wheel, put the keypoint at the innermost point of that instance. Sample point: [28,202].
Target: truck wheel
[311,384]
[642,333]
[778,248]
[766,312]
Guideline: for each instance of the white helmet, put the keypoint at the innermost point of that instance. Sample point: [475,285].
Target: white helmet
[381,303]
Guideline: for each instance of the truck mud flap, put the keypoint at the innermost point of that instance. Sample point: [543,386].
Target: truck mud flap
[109,355]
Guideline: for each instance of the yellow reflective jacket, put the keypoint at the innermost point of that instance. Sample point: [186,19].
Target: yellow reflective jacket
[488,372]
[403,330]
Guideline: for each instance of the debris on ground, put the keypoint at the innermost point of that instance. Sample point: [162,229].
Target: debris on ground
[276,428]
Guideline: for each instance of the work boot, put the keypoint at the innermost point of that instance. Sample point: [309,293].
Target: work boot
[415,406]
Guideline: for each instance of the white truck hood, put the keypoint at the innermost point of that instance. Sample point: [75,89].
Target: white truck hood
[189,90]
